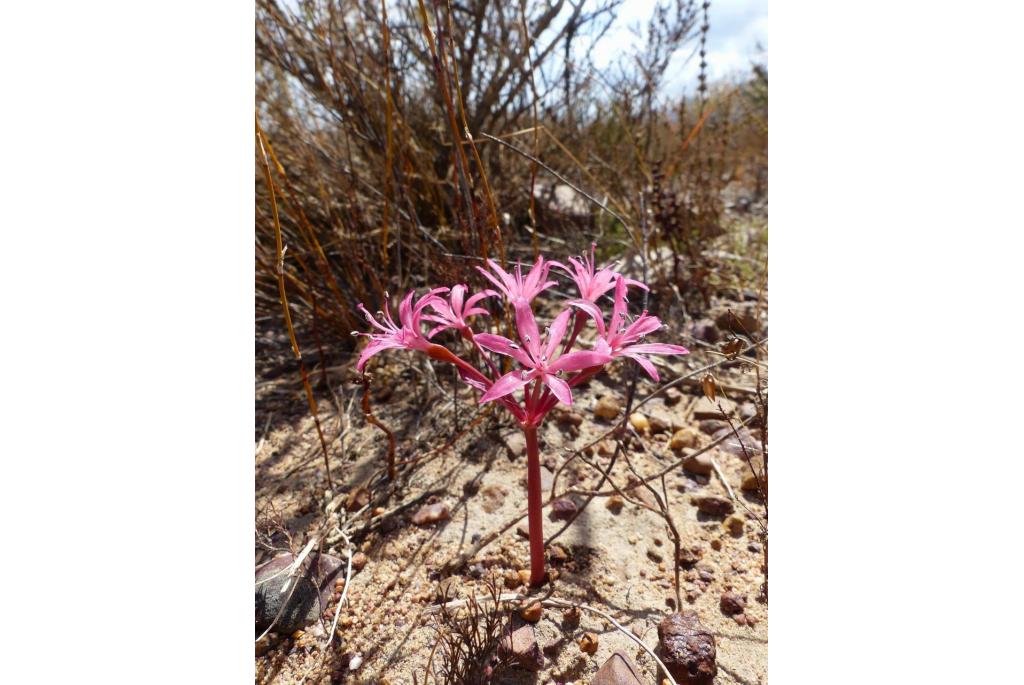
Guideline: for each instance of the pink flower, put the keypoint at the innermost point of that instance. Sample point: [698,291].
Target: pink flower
[454,312]
[619,340]
[536,358]
[407,336]
[592,284]
[517,289]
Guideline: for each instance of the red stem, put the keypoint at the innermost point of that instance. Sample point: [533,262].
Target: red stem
[535,505]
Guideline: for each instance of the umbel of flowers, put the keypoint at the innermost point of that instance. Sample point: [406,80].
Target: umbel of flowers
[547,365]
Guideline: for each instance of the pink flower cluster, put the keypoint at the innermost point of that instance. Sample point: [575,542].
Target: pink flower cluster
[548,366]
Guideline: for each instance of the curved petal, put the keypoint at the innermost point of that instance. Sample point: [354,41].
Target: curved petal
[502,345]
[473,299]
[592,310]
[437,329]
[405,309]
[537,273]
[577,361]
[619,306]
[645,363]
[505,385]
[378,345]
[458,297]
[503,283]
[527,326]
[369,317]
[642,326]
[656,348]
[638,284]
[557,332]
[559,388]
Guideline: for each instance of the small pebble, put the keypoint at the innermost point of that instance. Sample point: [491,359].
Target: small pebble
[640,423]
[607,408]
[532,612]
[588,643]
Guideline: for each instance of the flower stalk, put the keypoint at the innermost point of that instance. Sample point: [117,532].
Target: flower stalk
[547,368]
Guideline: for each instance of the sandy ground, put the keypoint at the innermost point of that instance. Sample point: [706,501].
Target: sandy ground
[618,560]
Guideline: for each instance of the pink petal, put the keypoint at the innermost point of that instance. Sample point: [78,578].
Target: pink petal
[479,296]
[582,359]
[642,326]
[505,283]
[437,329]
[527,326]
[656,348]
[559,388]
[369,317]
[405,310]
[457,295]
[638,284]
[645,363]
[619,307]
[592,310]
[505,385]
[502,345]
[373,348]
[557,332]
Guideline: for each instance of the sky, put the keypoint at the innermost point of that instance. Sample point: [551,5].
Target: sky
[737,26]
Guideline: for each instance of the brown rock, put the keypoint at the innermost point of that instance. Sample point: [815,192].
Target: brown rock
[731,603]
[735,525]
[713,505]
[359,561]
[357,499]
[698,463]
[607,408]
[658,425]
[519,644]
[291,603]
[672,397]
[619,669]
[749,483]
[687,649]
[492,497]
[640,422]
[531,612]
[557,554]
[615,503]
[431,513]
[740,442]
[563,508]
[641,493]
[690,556]
[568,417]
[706,409]
[571,616]
[588,643]
[684,437]
[712,426]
